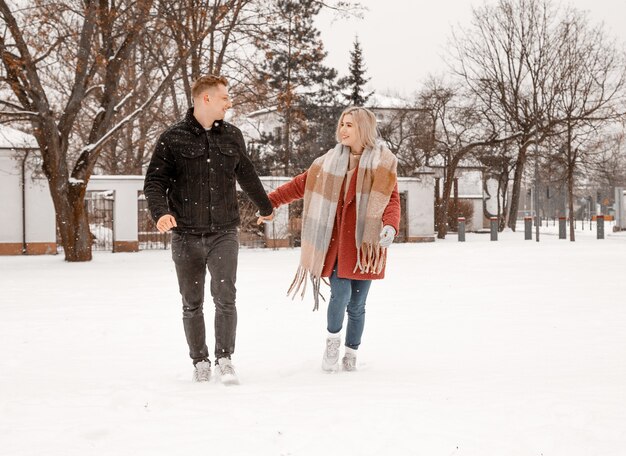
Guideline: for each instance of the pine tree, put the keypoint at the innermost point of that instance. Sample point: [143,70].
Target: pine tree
[356,80]
[293,72]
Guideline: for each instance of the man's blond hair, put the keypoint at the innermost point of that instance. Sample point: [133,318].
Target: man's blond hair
[206,82]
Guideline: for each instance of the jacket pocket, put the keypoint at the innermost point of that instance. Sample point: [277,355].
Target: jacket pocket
[229,157]
[192,152]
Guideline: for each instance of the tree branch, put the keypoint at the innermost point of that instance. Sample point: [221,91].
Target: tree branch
[81,76]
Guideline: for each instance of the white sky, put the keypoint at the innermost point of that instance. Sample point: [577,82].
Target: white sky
[403,40]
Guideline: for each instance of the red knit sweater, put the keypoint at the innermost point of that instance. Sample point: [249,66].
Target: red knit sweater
[342,248]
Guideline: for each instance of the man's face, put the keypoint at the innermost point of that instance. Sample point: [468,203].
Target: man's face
[216,101]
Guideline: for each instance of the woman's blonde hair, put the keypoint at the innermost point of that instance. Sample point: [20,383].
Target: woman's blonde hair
[365,123]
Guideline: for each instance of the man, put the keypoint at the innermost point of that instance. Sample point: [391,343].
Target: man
[190,189]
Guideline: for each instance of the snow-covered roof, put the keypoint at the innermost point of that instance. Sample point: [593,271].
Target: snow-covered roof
[437,162]
[387,102]
[10,138]
[376,101]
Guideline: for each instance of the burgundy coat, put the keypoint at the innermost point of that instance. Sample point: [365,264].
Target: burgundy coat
[342,248]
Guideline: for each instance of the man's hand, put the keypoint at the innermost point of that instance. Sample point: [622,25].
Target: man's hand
[386,236]
[166,223]
[266,218]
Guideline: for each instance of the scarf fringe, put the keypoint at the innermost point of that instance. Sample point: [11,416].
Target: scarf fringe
[296,284]
[370,258]
[299,282]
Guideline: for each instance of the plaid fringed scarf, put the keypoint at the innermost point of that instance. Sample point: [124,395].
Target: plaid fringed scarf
[376,179]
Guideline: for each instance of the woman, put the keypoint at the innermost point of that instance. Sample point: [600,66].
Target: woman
[351,215]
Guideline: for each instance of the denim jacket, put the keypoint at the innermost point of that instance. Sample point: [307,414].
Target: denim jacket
[192,176]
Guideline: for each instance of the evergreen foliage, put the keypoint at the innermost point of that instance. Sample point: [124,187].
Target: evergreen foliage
[298,83]
[355,82]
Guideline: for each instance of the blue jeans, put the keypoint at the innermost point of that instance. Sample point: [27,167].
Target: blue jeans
[349,294]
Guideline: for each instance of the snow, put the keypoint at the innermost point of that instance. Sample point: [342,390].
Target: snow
[106,177]
[481,348]
[381,101]
[10,138]
[122,101]
[101,233]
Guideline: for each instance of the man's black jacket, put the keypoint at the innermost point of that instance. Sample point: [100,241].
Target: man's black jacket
[192,176]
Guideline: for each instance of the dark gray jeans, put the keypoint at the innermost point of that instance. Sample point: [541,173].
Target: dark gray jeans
[193,254]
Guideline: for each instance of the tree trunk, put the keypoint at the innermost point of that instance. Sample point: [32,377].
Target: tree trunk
[517,185]
[443,209]
[445,199]
[437,203]
[68,200]
[287,144]
[570,195]
[502,207]
[455,204]
[71,218]
[571,164]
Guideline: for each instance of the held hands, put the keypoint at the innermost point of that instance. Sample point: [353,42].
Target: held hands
[262,218]
[166,223]
[386,236]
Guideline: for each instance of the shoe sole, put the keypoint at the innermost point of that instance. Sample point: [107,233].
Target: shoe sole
[229,380]
[330,367]
[194,379]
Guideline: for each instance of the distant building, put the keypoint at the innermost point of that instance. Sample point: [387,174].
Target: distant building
[267,120]
[470,187]
[416,191]
[26,205]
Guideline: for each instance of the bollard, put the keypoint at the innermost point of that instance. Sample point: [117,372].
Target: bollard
[528,228]
[562,228]
[600,226]
[461,229]
[494,228]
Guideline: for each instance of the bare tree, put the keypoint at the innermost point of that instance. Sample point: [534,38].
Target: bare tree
[499,161]
[408,134]
[215,36]
[609,169]
[542,70]
[591,83]
[506,58]
[459,131]
[82,56]
[214,29]
[129,150]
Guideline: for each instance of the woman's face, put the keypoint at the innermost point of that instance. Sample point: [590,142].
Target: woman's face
[349,135]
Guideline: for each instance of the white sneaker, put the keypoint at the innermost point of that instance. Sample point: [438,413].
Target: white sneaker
[202,372]
[330,361]
[226,372]
[349,360]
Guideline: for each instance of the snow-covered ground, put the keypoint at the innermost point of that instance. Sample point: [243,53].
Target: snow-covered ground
[483,348]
